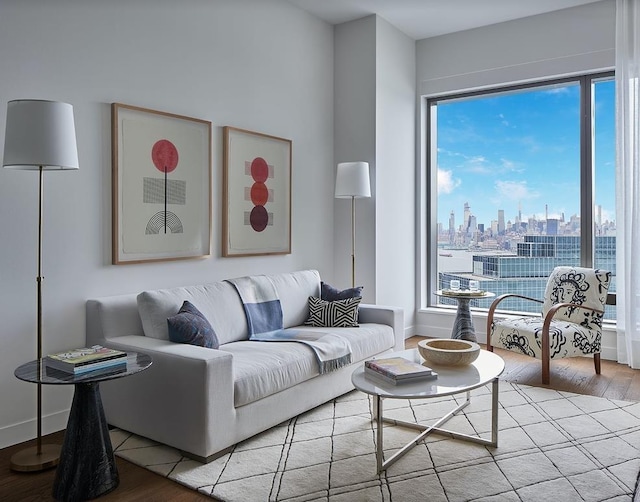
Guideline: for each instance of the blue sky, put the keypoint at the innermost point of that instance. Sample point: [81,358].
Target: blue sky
[522,150]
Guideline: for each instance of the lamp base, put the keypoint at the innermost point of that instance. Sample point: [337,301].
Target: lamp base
[28,460]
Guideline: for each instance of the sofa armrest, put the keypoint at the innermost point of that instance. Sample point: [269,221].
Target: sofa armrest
[381,314]
[190,387]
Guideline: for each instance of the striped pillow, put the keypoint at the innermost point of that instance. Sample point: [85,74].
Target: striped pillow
[336,314]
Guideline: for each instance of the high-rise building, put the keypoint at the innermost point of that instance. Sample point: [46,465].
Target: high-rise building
[466,214]
[526,272]
[452,227]
[501,227]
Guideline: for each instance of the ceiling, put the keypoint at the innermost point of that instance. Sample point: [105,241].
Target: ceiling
[429,18]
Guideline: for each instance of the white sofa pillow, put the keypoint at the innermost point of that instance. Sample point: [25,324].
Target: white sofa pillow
[220,304]
[293,290]
[217,301]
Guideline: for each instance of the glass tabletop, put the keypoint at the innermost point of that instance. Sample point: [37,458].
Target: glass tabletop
[38,372]
[451,379]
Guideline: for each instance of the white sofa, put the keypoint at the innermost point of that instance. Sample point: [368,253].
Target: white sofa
[203,401]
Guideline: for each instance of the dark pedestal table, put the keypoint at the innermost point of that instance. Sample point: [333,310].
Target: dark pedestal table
[87,467]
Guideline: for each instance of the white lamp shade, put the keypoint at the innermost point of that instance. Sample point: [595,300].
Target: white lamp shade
[352,180]
[40,134]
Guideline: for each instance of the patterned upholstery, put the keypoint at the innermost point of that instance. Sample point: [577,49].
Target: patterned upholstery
[572,312]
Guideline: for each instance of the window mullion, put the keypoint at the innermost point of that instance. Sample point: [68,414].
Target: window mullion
[586,172]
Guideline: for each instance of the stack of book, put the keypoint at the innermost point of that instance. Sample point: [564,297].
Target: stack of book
[79,361]
[397,370]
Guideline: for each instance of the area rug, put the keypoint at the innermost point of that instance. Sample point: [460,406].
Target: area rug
[553,446]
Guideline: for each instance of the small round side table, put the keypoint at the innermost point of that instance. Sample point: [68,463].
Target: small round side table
[463,325]
[87,467]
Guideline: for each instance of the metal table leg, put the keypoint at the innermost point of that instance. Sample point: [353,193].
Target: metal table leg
[435,428]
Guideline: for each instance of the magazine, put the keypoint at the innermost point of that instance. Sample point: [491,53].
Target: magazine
[398,369]
[86,359]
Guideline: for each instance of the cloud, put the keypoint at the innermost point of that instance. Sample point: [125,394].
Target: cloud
[446,182]
[514,191]
[509,165]
[557,90]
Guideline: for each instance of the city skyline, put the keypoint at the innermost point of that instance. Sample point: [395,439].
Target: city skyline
[461,216]
[520,152]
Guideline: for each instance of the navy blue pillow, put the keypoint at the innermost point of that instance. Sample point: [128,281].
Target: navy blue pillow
[330,294]
[189,325]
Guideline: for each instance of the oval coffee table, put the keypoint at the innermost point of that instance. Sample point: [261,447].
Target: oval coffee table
[451,380]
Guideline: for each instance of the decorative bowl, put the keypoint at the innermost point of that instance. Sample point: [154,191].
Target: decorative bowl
[448,351]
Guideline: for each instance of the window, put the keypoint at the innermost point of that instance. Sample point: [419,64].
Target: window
[523,180]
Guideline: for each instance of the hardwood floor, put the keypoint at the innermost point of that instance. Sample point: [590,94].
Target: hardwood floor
[617,381]
[576,374]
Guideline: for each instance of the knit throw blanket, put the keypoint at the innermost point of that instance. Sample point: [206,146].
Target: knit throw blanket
[264,318]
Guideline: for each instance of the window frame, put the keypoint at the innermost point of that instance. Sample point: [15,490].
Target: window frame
[429,200]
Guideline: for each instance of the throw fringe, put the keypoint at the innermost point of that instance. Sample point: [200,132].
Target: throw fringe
[334,364]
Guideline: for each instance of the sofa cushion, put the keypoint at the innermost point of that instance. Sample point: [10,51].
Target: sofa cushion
[190,326]
[264,368]
[219,303]
[261,369]
[331,294]
[339,313]
[293,289]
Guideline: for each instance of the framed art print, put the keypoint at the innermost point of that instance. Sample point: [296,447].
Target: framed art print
[256,194]
[161,185]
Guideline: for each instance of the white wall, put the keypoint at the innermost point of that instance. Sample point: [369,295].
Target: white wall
[375,122]
[261,65]
[565,42]
[395,170]
[355,140]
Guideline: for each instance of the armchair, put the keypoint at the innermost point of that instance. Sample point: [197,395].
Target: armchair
[571,321]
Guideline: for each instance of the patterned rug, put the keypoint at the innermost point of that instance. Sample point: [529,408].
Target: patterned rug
[552,445]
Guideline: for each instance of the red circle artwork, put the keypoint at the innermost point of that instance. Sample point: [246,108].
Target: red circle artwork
[164,155]
[259,169]
[259,194]
[259,218]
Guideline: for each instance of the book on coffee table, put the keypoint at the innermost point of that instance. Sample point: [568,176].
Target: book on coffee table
[86,359]
[397,370]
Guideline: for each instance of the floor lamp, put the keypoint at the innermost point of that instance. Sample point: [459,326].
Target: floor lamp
[39,136]
[352,182]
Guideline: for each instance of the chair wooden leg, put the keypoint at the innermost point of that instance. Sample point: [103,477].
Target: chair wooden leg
[546,355]
[489,325]
[546,378]
[596,362]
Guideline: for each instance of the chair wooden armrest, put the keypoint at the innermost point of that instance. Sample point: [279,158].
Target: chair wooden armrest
[553,310]
[546,349]
[492,310]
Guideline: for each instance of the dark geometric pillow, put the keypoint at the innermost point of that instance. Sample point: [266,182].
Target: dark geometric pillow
[335,314]
[331,294]
[189,325]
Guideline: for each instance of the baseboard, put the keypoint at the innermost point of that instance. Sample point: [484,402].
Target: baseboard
[24,431]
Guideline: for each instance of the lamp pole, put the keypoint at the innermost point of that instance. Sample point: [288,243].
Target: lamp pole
[39,136]
[353,241]
[352,182]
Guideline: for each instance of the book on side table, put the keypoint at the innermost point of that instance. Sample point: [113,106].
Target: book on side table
[397,370]
[78,361]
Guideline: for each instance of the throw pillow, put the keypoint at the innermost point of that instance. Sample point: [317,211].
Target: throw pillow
[335,314]
[331,294]
[189,325]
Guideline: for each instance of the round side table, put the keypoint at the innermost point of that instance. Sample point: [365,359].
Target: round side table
[463,325]
[87,467]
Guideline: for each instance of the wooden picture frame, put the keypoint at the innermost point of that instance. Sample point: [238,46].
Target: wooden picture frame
[161,185]
[256,207]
